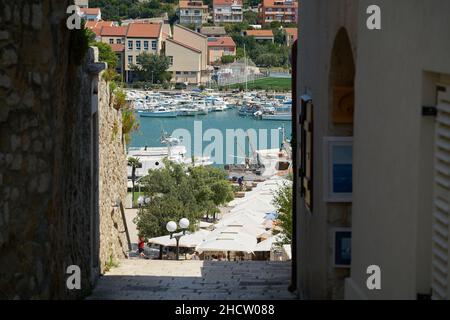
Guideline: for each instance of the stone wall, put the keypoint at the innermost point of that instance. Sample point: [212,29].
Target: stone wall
[49,158]
[113,180]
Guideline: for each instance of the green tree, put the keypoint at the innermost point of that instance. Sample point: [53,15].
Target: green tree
[176,192]
[278,36]
[231,28]
[251,17]
[151,67]
[239,53]
[274,25]
[283,203]
[125,9]
[129,124]
[105,54]
[227,59]
[268,60]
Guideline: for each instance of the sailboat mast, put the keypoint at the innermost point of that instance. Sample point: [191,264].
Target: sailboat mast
[246,77]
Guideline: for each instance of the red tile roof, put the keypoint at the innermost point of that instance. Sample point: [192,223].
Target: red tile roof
[221,42]
[271,3]
[114,31]
[192,4]
[259,33]
[184,45]
[291,31]
[90,11]
[226,2]
[98,24]
[97,31]
[144,30]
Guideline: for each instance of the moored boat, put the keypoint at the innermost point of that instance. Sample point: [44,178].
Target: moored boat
[160,112]
[277,116]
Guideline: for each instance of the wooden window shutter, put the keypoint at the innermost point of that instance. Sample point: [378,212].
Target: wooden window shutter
[440,272]
[307,151]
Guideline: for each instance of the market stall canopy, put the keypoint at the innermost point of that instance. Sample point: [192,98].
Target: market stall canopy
[288,250]
[244,217]
[228,242]
[186,241]
[267,245]
[251,230]
[259,204]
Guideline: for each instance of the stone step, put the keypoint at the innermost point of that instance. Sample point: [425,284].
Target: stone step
[194,280]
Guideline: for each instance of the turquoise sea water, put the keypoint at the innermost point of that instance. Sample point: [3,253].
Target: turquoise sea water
[197,135]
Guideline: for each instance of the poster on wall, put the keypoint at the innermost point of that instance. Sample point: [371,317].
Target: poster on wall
[338,175]
[343,105]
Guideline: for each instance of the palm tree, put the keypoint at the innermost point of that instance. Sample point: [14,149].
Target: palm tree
[133,163]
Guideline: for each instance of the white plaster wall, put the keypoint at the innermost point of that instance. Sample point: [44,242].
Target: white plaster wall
[389,144]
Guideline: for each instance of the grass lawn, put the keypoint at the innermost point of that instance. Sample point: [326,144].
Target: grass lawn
[270,84]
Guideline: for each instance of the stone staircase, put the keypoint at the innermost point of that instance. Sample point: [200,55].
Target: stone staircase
[139,279]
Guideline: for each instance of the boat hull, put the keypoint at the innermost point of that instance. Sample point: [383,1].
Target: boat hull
[168,114]
[277,117]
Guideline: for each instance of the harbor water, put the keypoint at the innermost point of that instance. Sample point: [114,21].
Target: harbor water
[233,136]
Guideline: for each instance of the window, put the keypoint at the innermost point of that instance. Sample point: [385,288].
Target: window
[170,60]
[111,41]
[130,45]
[154,43]
[130,59]
[119,41]
[146,45]
[178,72]
[138,45]
[185,72]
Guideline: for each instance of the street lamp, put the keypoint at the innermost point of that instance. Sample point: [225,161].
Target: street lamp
[171,226]
[283,131]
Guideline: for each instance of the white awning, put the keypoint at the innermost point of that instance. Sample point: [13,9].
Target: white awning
[288,250]
[186,241]
[267,245]
[228,242]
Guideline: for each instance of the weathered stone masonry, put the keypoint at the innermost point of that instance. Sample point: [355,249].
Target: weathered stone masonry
[58,174]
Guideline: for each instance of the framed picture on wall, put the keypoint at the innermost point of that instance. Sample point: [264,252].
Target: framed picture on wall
[342,247]
[338,169]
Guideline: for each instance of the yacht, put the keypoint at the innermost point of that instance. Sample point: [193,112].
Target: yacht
[152,158]
[185,111]
[160,112]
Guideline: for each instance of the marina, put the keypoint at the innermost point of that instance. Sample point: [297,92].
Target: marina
[182,126]
[168,104]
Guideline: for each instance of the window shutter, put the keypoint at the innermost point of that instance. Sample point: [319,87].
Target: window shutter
[441,207]
[307,148]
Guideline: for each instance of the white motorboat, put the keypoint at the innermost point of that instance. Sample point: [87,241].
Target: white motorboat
[160,112]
